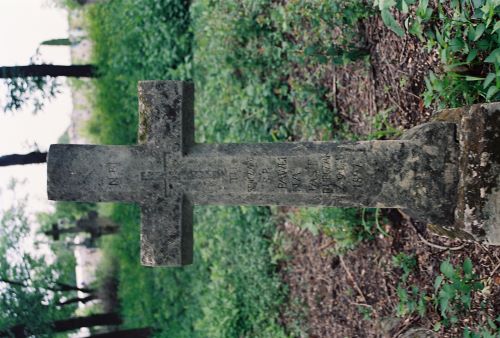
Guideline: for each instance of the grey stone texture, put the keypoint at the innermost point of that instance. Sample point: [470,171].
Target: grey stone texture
[167,173]
[477,213]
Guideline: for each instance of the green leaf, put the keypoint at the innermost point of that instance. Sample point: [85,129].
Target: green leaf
[456,44]
[390,22]
[437,326]
[473,78]
[466,300]
[310,50]
[479,31]
[496,27]
[472,55]
[492,324]
[443,305]
[491,92]
[422,9]
[437,282]
[403,6]
[477,3]
[386,4]
[467,266]
[447,269]
[494,57]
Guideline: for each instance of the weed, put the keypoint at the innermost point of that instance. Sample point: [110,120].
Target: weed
[453,290]
[491,330]
[347,226]
[452,294]
[410,299]
[405,262]
[466,36]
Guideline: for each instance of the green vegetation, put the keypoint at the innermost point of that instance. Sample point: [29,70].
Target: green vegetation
[466,36]
[133,41]
[246,61]
[454,289]
[347,226]
[262,73]
[29,291]
[452,295]
[260,68]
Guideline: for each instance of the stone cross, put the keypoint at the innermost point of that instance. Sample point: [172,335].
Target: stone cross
[168,173]
[92,224]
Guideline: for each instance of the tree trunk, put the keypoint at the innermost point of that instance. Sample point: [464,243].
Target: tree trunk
[131,333]
[48,70]
[67,287]
[78,300]
[14,159]
[62,287]
[19,331]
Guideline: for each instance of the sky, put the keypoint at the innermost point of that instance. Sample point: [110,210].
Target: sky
[24,24]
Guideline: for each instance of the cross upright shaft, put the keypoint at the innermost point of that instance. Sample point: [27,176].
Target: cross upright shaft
[167,172]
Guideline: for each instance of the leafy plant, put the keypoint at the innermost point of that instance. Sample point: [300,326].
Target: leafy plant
[491,330]
[453,290]
[347,226]
[466,36]
[405,262]
[411,299]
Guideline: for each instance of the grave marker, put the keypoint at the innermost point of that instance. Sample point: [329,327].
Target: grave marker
[167,173]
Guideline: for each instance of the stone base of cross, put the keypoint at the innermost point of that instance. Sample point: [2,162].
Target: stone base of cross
[445,173]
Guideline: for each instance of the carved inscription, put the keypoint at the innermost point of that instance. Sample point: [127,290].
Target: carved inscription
[264,175]
[233,173]
[357,171]
[112,171]
[282,170]
[314,176]
[251,175]
[296,180]
[326,171]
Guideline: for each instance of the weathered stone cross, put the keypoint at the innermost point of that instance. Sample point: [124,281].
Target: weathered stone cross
[92,224]
[167,173]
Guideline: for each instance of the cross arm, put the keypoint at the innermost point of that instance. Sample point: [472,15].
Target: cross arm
[90,173]
[167,231]
[166,115]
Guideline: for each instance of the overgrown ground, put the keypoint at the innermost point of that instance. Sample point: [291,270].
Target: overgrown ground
[300,70]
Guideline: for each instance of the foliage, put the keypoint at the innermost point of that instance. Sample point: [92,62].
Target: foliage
[230,290]
[491,330]
[29,91]
[410,299]
[454,290]
[27,294]
[452,294]
[252,69]
[466,36]
[133,41]
[347,226]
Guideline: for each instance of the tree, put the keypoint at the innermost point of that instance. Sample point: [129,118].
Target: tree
[28,293]
[36,83]
[48,70]
[69,324]
[30,158]
[130,333]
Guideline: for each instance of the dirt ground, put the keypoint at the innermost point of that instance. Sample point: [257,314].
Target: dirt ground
[354,295]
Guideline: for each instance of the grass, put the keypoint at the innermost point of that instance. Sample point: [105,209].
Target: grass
[261,72]
[247,90]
